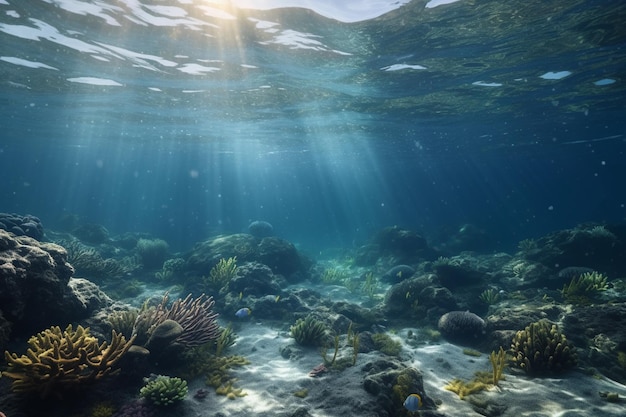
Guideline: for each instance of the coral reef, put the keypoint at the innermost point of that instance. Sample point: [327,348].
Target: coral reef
[164,390]
[27,225]
[541,348]
[195,316]
[59,360]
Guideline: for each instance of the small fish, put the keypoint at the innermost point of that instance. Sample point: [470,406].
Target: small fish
[413,402]
[277,298]
[240,295]
[243,312]
[407,295]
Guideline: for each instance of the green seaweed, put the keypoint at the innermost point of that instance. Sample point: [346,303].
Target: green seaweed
[309,331]
[164,390]
[385,344]
[585,288]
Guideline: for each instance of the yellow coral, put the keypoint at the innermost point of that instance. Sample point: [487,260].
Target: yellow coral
[57,360]
[463,389]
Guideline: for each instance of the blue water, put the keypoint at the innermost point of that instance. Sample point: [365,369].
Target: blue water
[161,117]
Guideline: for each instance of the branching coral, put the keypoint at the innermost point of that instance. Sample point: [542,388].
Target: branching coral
[164,390]
[482,380]
[195,316]
[123,321]
[60,360]
[542,348]
[498,363]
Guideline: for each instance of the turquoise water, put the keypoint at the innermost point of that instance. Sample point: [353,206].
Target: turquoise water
[183,119]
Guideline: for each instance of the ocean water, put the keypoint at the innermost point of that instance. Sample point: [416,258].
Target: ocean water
[189,118]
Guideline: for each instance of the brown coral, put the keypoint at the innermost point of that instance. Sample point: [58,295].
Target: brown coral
[57,360]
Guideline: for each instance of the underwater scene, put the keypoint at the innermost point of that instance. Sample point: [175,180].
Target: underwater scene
[295,208]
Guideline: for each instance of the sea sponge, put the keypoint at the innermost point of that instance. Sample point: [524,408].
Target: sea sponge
[461,326]
[164,390]
[541,348]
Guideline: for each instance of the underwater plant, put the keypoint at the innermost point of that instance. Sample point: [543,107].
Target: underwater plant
[164,390]
[583,288]
[489,296]
[225,340]
[334,276]
[385,344]
[369,285]
[309,331]
[222,273]
[541,348]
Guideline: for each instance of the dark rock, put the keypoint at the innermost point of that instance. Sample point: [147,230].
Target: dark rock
[34,291]
[254,278]
[205,255]
[400,243]
[367,255]
[391,382]
[457,274]
[414,297]
[398,273]
[279,255]
[91,233]
[597,247]
[359,317]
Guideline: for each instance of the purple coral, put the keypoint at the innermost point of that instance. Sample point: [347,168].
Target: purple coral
[136,408]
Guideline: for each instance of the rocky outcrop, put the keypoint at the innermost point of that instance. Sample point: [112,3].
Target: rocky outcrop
[34,285]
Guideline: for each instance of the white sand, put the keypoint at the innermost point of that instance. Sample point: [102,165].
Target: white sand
[270,381]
